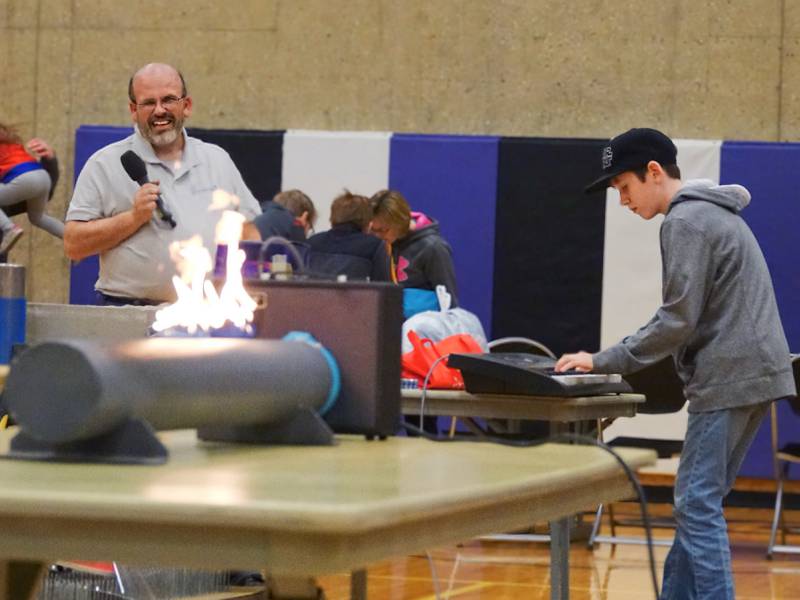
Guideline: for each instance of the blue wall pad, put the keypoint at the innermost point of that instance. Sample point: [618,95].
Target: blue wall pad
[549,243]
[454,180]
[88,140]
[257,154]
[769,171]
[758,461]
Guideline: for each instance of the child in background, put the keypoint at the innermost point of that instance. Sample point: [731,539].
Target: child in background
[346,249]
[24,179]
[422,258]
[290,214]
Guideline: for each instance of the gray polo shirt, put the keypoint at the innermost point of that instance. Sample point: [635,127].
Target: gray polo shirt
[140,267]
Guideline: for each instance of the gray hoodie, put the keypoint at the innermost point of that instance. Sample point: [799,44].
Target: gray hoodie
[719,318]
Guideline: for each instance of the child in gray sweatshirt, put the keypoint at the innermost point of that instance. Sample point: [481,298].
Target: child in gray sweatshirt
[719,321]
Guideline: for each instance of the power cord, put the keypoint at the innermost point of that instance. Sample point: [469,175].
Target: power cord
[302,272]
[575,439]
[281,241]
[425,389]
[566,437]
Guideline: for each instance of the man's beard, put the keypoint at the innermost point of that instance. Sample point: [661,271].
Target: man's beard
[165,138]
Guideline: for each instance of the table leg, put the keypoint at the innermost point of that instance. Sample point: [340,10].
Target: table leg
[559,541]
[358,585]
[20,580]
[559,559]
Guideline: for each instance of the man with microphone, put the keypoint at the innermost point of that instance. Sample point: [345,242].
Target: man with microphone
[135,197]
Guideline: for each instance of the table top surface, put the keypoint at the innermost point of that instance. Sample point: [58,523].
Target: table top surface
[354,485]
[464,395]
[300,510]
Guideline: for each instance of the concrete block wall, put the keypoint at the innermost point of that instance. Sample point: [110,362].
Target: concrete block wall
[718,69]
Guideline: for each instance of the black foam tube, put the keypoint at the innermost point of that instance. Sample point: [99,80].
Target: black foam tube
[70,390]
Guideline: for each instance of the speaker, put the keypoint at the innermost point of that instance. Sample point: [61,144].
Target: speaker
[360,323]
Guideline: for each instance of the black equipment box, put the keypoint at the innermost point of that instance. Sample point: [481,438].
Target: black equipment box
[360,323]
[526,374]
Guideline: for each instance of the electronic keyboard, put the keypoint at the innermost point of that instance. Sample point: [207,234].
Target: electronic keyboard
[530,375]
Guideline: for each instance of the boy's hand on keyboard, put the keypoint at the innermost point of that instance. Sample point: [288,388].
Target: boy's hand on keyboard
[580,361]
[553,372]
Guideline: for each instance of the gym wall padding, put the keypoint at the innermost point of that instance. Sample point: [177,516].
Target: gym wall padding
[571,270]
[769,171]
[453,179]
[323,163]
[88,140]
[632,254]
[257,154]
[548,243]
[632,281]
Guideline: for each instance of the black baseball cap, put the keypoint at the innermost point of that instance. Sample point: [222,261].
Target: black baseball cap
[632,150]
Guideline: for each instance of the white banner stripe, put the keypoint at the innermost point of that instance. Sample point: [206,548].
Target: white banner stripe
[323,163]
[632,279]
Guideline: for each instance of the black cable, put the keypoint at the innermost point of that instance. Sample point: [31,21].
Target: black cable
[567,437]
[585,440]
[281,241]
[301,273]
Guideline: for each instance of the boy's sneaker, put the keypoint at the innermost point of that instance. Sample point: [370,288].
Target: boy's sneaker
[10,238]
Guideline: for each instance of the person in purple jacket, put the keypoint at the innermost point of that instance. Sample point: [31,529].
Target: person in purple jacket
[421,257]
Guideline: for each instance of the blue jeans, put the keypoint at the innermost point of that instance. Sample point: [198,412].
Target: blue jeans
[698,566]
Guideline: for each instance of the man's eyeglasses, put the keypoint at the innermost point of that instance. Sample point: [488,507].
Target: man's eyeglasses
[167,103]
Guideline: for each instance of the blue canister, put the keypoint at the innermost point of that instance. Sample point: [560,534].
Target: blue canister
[12,309]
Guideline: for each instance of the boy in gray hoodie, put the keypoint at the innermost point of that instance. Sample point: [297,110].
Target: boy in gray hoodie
[719,321]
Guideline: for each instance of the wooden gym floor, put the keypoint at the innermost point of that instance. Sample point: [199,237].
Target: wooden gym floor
[510,570]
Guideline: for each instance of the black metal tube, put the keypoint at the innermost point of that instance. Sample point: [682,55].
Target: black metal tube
[69,390]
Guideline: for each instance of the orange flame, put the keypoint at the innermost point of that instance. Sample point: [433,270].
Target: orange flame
[199,306]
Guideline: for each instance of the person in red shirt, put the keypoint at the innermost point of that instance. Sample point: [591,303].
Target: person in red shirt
[23,178]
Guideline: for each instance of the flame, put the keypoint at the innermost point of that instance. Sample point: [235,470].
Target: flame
[199,306]
[222,200]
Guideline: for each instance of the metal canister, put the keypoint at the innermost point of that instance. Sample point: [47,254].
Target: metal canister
[12,309]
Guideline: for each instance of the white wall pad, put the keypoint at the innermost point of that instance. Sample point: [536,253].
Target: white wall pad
[323,163]
[632,278]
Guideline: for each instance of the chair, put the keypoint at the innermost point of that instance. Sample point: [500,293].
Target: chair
[532,429]
[663,389]
[783,457]
[520,344]
[515,344]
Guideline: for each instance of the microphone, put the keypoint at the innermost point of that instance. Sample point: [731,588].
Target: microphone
[135,168]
